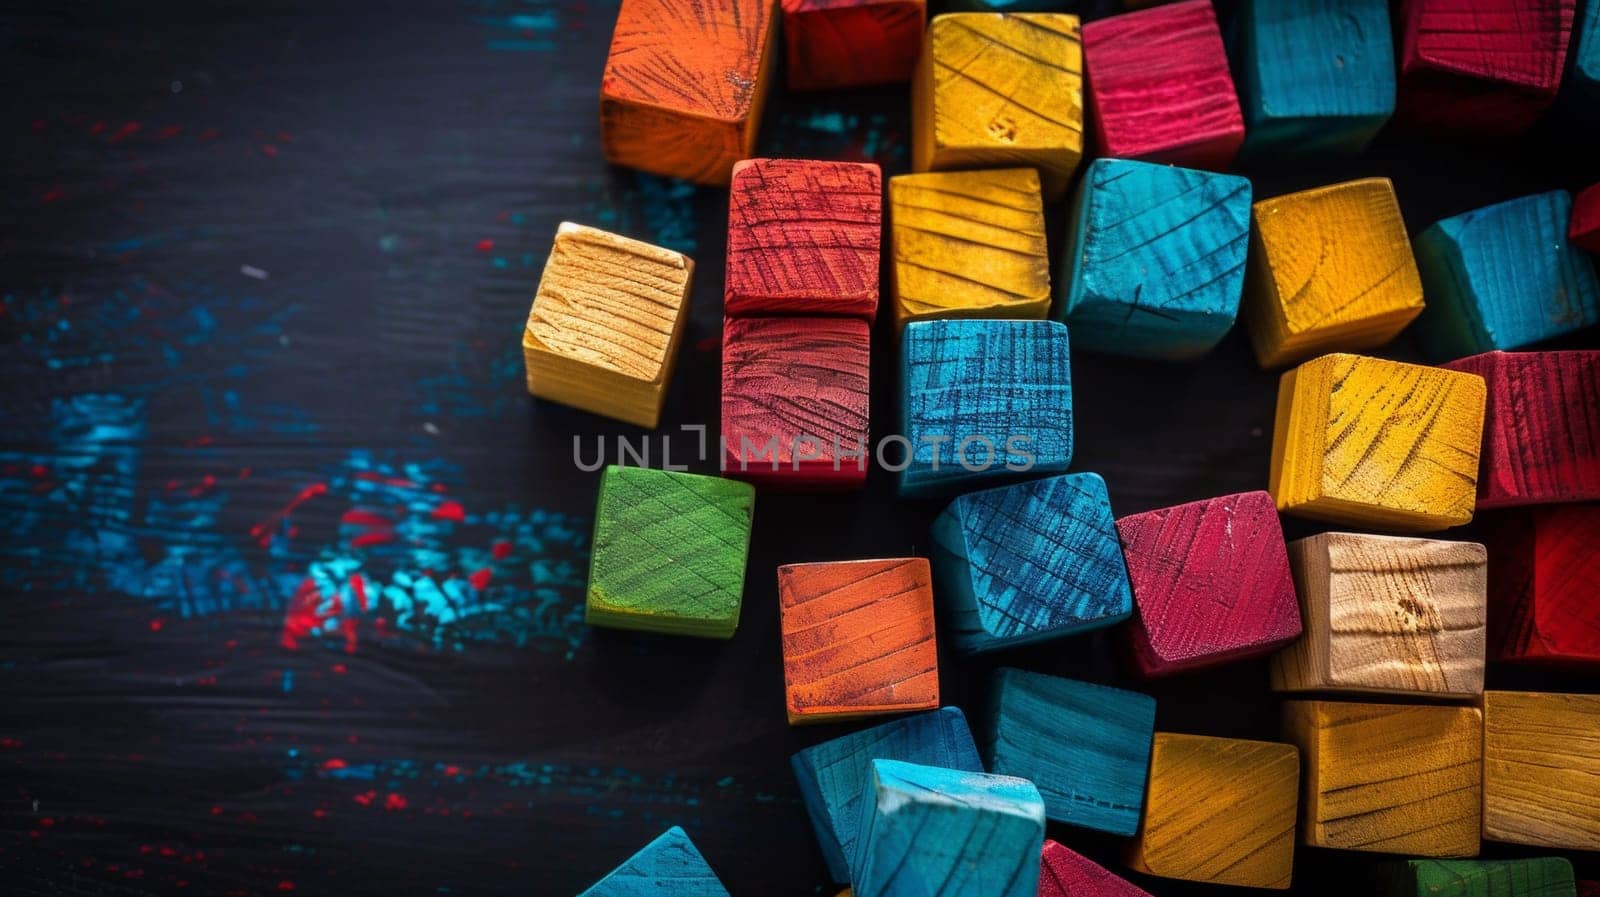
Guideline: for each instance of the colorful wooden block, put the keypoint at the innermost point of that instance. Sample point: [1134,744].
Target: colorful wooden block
[1369,442]
[684,85]
[1389,778]
[1156,259]
[1585,71]
[1063,873]
[1541,763]
[926,830]
[1330,270]
[1159,87]
[1583,228]
[1544,586]
[669,552]
[851,43]
[803,238]
[1219,810]
[1504,276]
[983,401]
[1211,583]
[668,865]
[968,244]
[1386,614]
[604,329]
[1539,877]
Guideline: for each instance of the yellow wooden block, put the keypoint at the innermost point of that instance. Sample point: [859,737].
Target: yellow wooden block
[605,324]
[1000,89]
[1388,778]
[1374,443]
[1219,810]
[1541,769]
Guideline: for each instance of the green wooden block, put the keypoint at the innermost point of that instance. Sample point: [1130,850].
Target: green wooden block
[1540,877]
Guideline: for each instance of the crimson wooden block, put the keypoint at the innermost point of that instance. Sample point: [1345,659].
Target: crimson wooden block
[1584,230]
[851,43]
[1063,873]
[1544,585]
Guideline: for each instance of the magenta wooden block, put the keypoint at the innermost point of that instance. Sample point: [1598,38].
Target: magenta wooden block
[1063,873]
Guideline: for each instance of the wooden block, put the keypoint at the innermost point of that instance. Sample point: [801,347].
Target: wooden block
[996,90]
[1374,443]
[1541,877]
[968,244]
[795,401]
[1588,888]
[1541,427]
[668,865]
[1086,747]
[1541,760]
[926,830]
[1389,778]
[983,401]
[1583,228]
[1159,87]
[1331,270]
[1029,562]
[669,552]
[1585,71]
[803,238]
[851,43]
[1063,873]
[1219,810]
[1388,615]
[1544,586]
[1504,276]
[604,329]
[1157,259]
[1211,582]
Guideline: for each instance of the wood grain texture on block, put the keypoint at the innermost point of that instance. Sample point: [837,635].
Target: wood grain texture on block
[1583,228]
[604,328]
[1063,873]
[1544,586]
[1374,443]
[851,43]
[1388,778]
[1387,614]
[670,864]
[1541,763]
[1219,810]
[1538,877]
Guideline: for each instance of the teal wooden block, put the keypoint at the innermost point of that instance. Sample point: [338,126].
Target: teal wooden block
[1086,746]
[927,831]
[1585,74]
[833,775]
[1539,877]
[1503,277]
[1156,262]
[668,865]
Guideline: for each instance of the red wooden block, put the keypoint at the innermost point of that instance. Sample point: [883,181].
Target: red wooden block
[1063,873]
[794,401]
[851,43]
[1211,582]
[803,238]
[1159,86]
[1584,230]
[1541,427]
[1544,585]
[1588,888]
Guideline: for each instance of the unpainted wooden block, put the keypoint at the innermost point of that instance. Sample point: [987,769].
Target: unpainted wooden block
[1541,760]
[1583,228]
[1544,586]
[1063,873]
[669,864]
[1538,877]
[851,43]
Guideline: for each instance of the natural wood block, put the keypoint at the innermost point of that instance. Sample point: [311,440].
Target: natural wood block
[1330,270]
[851,43]
[968,244]
[1386,614]
[1219,810]
[684,85]
[1541,760]
[1544,586]
[1369,442]
[668,865]
[1542,877]
[604,329]
[1388,778]
[1063,873]
[1583,228]
[1211,582]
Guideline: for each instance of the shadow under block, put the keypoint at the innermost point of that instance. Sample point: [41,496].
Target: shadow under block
[1388,615]
[1583,228]
[1541,877]
[1380,444]
[1159,87]
[1211,582]
[968,244]
[1544,586]
[1219,810]
[668,865]
[1156,259]
[1331,270]
[684,85]
[669,552]
[982,401]
[1389,778]
[851,43]
[1541,762]
[926,831]
[803,238]
[995,90]
[1063,873]
[604,328]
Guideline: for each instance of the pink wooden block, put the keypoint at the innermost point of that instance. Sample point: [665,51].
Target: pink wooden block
[1585,228]
[1063,873]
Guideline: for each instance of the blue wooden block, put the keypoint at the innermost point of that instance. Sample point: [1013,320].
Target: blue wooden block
[1029,562]
[833,775]
[983,401]
[1502,277]
[1586,51]
[668,865]
[928,831]
[1086,747]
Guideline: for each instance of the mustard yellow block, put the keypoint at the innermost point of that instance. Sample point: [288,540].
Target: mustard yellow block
[1373,443]
[1541,769]
[604,329]
[1000,89]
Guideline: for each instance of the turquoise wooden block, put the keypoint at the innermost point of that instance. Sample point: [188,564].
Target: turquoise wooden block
[1156,261]
[668,865]
[1585,73]
[1503,277]
[833,775]
[928,831]
[1086,746]
[1029,562]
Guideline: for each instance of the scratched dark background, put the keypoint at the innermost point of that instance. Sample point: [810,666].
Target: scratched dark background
[293,568]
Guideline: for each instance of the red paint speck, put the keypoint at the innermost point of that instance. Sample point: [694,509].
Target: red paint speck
[480,578]
[486,245]
[451,510]
[170,131]
[373,538]
[340,669]
[335,763]
[216,811]
[501,550]
[286,885]
[127,130]
[269,150]
[319,813]
[210,134]
[156,624]
[394,802]
[452,770]
[10,743]
[97,127]
[51,195]
[365,798]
